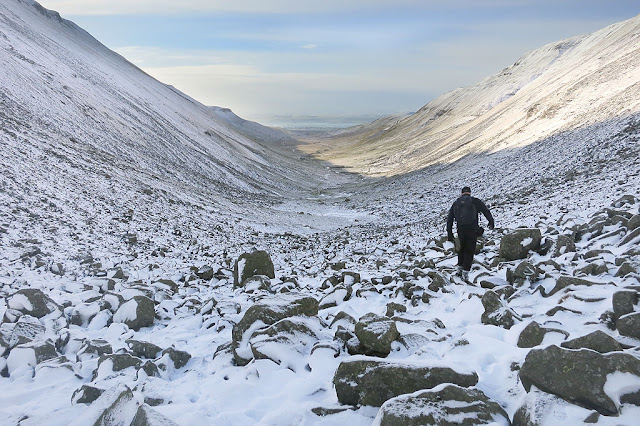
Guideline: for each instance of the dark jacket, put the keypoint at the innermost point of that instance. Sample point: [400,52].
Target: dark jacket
[480,208]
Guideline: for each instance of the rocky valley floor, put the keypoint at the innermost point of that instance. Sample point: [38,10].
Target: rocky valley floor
[129,303]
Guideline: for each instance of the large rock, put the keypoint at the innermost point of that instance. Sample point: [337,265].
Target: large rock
[517,244]
[564,244]
[624,302]
[30,354]
[598,341]
[86,394]
[266,312]
[445,405]
[496,312]
[27,329]
[177,357]
[634,222]
[629,325]
[369,381]
[580,376]
[31,301]
[336,296]
[136,313]
[532,335]
[542,409]
[250,264]
[147,416]
[286,342]
[116,406]
[376,334]
[143,349]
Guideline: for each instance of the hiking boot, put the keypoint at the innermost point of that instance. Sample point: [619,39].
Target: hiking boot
[465,275]
[459,271]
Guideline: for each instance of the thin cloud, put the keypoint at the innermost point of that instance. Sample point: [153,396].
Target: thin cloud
[168,7]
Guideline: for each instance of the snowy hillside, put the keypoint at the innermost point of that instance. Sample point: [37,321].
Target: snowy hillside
[163,262]
[583,82]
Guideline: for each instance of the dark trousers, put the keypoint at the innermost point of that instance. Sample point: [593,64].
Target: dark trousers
[468,239]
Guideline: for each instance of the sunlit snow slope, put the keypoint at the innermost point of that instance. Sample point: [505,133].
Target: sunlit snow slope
[562,87]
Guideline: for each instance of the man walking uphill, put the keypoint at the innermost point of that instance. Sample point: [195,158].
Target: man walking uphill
[465,211]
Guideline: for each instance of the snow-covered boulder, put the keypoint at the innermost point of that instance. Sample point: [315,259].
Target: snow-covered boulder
[629,325]
[525,271]
[517,244]
[532,335]
[30,354]
[370,381]
[116,406]
[250,264]
[31,301]
[286,342]
[444,405]
[136,313]
[86,394]
[94,348]
[143,349]
[624,302]
[114,363]
[147,416]
[177,357]
[376,333]
[598,341]
[565,281]
[563,244]
[266,312]
[336,296]
[541,409]
[26,330]
[257,283]
[496,312]
[585,377]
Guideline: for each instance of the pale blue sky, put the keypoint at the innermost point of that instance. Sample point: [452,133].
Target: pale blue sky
[333,57]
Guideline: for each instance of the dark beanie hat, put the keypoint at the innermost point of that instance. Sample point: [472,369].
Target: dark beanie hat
[466,189]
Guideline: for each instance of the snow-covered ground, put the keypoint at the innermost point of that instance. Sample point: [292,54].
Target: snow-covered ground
[116,190]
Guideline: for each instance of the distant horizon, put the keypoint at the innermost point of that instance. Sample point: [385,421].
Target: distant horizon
[349,58]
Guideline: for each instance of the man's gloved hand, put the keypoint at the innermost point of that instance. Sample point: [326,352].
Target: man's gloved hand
[450,237]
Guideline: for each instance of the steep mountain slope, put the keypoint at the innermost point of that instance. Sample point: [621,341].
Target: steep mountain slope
[559,88]
[66,95]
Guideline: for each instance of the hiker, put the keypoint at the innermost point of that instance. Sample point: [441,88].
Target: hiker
[465,211]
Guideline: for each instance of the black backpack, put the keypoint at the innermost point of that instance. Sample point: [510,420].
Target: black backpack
[465,211]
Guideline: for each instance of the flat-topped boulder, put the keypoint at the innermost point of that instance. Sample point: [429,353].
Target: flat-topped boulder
[584,377]
[371,381]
